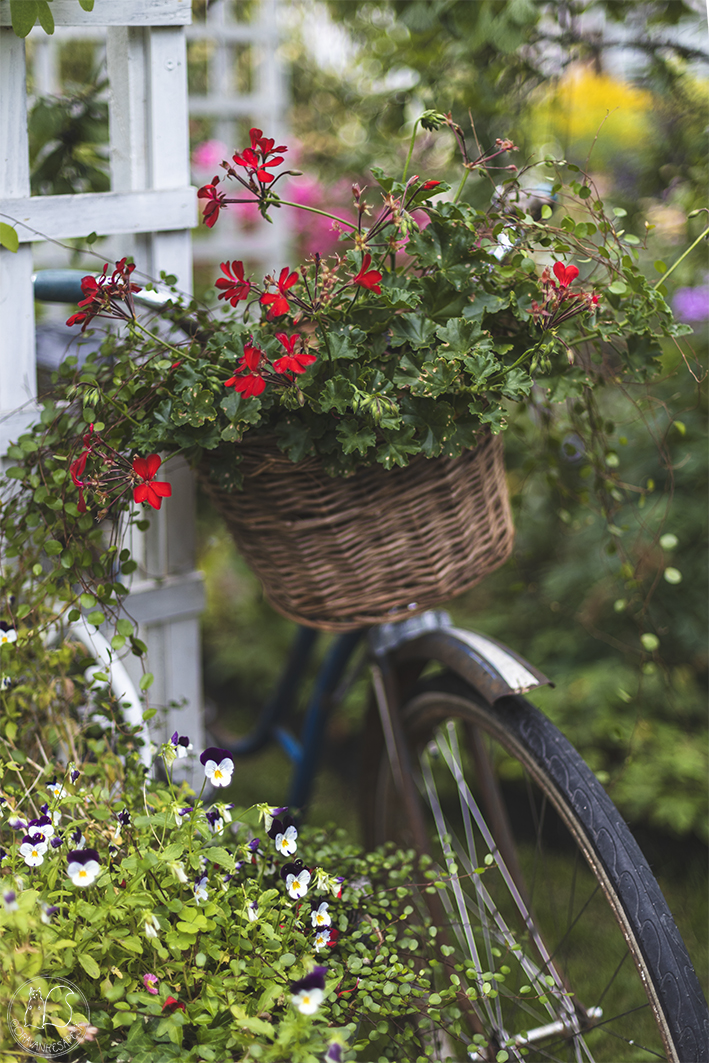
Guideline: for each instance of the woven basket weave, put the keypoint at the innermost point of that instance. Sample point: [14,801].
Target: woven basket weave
[338,554]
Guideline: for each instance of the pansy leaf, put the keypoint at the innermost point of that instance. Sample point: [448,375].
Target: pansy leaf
[220,856]
[89,964]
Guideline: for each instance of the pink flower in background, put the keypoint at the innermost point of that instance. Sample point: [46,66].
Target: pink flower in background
[209,155]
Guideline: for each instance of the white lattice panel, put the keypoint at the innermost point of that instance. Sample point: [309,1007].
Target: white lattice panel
[150,210]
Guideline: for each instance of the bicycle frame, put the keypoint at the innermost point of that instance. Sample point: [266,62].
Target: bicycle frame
[397,653]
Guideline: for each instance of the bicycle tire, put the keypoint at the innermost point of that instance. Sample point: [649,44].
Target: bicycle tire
[665,985]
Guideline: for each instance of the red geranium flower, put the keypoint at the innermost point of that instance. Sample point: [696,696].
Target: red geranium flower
[236,287]
[171,1005]
[105,296]
[215,201]
[251,383]
[368,278]
[292,362]
[279,303]
[565,274]
[257,166]
[264,144]
[150,490]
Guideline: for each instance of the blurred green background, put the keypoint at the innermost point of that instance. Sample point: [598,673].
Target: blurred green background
[607,589]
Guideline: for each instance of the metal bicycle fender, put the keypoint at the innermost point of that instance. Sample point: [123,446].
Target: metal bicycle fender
[486,664]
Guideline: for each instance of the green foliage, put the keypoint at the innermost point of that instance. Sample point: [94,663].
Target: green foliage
[187,939]
[26,13]
[66,138]
[8,237]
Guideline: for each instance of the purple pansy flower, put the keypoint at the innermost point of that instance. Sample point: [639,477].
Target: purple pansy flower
[182,745]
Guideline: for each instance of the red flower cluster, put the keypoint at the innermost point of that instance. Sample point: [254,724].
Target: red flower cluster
[255,368]
[118,473]
[558,302]
[107,296]
[257,158]
[252,383]
[149,489]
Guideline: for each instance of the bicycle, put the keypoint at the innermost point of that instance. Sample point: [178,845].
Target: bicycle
[447,757]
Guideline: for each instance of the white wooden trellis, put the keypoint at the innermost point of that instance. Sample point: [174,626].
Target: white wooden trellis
[228,44]
[152,205]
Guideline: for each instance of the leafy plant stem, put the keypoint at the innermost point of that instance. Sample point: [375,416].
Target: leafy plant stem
[411,149]
[681,258]
[461,186]
[312,210]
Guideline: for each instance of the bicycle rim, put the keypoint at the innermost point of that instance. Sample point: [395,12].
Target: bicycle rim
[549,949]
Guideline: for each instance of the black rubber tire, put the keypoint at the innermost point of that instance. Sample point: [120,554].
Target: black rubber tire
[597,827]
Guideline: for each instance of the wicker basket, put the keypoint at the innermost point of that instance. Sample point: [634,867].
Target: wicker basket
[338,554]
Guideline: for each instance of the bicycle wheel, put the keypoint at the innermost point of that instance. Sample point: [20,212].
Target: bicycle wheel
[567,944]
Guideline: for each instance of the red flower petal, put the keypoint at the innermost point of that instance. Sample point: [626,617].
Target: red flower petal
[171,1005]
[565,274]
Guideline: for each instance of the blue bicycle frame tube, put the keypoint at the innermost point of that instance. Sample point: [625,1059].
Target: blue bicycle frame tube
[328,679]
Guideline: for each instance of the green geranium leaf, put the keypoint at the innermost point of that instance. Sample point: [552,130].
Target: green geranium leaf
[414,329]
[294,439]
[457,336]
[400,298]
[196,407]
[337,394]
[343,342]
[397,448]
[354,438]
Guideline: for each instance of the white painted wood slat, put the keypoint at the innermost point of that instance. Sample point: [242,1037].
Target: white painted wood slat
[114,13]
[64,217]
[17,368]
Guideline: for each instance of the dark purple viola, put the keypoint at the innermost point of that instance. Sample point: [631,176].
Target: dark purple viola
[292,869]
[314,980]
[280,826]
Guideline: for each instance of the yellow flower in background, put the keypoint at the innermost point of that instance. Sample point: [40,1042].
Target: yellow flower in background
[577,107]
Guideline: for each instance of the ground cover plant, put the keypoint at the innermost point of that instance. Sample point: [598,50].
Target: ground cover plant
[197,931]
